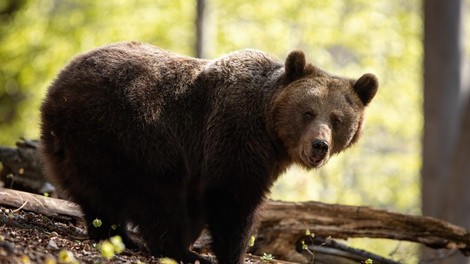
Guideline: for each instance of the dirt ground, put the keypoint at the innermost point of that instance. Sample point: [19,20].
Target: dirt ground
[28,238]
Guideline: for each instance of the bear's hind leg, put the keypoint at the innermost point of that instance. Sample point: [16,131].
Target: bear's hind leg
[163,222]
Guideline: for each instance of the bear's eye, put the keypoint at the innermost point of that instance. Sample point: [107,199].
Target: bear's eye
[335,121]
[309,116]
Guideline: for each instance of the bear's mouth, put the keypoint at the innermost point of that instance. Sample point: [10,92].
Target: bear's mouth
[313,162]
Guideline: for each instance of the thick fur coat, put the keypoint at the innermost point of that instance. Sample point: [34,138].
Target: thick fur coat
[172,144]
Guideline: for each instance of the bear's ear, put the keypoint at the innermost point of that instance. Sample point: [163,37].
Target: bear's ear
[366,87]
[295,65]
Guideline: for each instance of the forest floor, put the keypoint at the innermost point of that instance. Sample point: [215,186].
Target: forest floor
[27,238]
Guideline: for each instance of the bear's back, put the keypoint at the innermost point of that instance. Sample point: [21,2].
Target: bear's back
[139,77]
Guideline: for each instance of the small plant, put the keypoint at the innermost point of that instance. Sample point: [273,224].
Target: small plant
[97,222]
[25,259]
[267,257]
[50,260]
[310,236]
[106,249]
[117,243]
[252,241]
[67,257]
[167,261]
[368,261]
[304,246]
[306,249]
[111,247]
[308,233]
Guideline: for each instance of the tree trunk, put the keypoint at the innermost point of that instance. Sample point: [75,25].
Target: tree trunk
[201,32]
[457,207]
[443,53]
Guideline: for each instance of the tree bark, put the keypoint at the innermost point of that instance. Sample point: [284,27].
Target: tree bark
[39,204]
[443,105]
[341,221]
[442,84]
[458,206]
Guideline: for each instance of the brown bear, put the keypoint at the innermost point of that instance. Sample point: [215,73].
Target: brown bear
[171,144]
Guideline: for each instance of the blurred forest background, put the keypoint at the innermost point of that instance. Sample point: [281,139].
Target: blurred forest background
[38,37]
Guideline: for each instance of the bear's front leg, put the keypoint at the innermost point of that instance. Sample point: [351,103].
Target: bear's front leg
[230,216]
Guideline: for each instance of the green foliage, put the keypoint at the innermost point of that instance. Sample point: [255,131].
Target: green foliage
[345,37]
[38,37]
[42,35]
[350,38]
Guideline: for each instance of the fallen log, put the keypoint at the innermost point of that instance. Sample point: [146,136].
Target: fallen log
[285,222]
[22,169]
[55,208]
[283,225]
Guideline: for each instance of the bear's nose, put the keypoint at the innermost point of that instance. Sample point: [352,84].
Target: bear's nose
[319,149]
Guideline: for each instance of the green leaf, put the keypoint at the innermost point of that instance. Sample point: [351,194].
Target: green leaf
[97,223]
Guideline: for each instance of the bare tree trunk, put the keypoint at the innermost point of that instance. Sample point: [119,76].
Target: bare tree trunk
[443,53]
[458,202]
[457,207]
[201,32]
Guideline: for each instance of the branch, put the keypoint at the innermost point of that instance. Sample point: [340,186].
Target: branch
[51,207]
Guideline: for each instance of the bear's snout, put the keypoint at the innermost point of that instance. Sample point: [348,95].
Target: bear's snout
[319,149]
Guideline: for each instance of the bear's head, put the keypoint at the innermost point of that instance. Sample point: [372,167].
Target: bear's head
[316,114]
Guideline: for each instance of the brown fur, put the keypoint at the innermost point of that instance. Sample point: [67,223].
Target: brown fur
[135,134]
